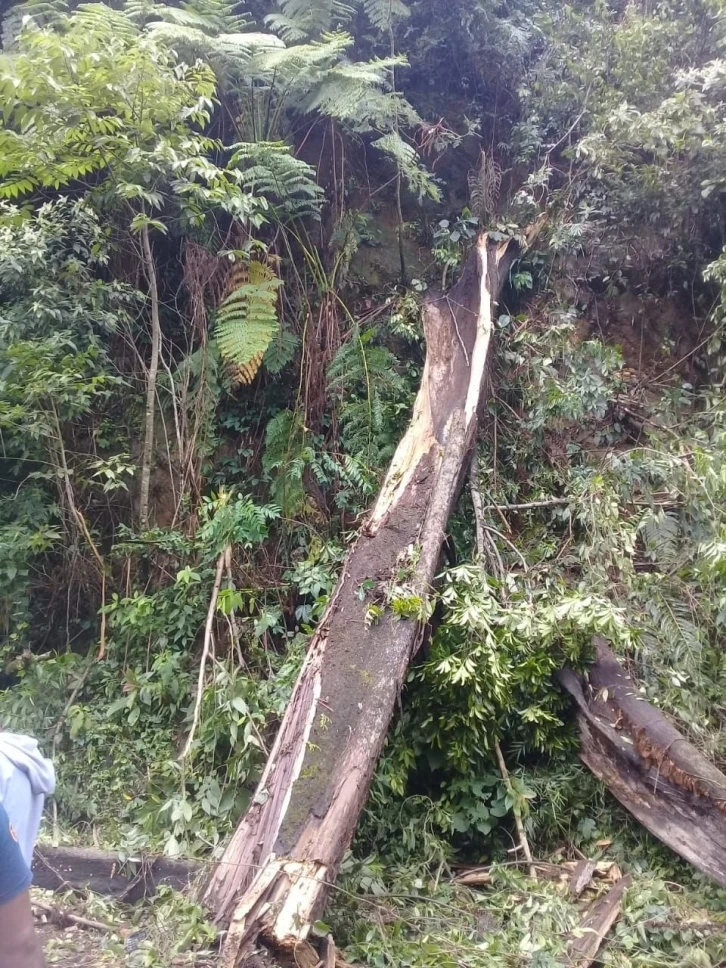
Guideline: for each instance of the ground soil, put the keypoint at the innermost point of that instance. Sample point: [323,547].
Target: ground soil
[79,947]
[76,948]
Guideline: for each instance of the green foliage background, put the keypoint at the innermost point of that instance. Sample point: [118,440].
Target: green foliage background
[326,152]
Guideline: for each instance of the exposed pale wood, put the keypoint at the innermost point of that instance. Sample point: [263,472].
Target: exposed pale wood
[678,795]
[599,919]
[100,871]
[475,878]
[278,867]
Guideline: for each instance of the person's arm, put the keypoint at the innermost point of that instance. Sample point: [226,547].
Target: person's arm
[19,942]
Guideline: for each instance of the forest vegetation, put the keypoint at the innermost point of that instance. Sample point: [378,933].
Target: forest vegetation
[220,224]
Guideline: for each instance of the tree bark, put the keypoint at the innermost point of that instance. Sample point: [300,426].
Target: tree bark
[276,872]
[151,379]
[655,773]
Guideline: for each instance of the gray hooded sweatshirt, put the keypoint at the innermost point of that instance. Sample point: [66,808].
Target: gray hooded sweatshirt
[26,779]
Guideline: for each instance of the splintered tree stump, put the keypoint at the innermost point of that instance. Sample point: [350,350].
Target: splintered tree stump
[651,768]
[273,880]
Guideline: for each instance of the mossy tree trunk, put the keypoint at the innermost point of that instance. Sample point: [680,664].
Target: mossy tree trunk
[273,880]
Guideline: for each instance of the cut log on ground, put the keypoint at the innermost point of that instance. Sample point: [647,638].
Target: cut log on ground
[275,875]
[599,918]
[101,871]
[661,778]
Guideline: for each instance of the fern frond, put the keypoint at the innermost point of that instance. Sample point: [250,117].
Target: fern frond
[227,52]
[285,458]
[247,319]
[43,13]
[99,19]
[360,93]
[213,17]
[418,179]
[302,63]
[318,78]
[383,13]
[302,19]
[661,533]
[281,351]
[365,379]
[269,169]
[671,634]
[223,13]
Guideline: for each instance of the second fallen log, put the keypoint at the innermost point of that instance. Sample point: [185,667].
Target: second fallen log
[648,765]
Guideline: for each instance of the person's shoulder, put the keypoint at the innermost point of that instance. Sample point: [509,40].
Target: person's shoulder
[15,876]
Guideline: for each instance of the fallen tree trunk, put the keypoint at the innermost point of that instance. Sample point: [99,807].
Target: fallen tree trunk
[276,872]
[661,778]
[101,871]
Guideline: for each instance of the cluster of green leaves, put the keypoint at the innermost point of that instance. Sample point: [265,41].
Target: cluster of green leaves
[620,126]
[118,740]
[106,99]
[57,318]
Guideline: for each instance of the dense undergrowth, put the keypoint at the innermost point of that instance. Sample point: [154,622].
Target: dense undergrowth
[216,234]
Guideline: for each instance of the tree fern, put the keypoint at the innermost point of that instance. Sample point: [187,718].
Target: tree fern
[97,18]
[247,319]
[360,93]
[301,63]
[228,53]
[225,14]
[317,78]
[212,16]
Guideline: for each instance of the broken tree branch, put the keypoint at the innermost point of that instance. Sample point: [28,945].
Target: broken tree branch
[58,915]
[523,842]
[599,919]
[550,502]
[147,452]
[205,651]
[101,871]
